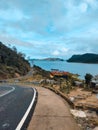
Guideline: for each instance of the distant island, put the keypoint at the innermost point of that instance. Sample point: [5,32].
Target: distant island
[48,59]
[84,58]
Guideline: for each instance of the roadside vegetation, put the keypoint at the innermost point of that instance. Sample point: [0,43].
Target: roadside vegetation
[12,62]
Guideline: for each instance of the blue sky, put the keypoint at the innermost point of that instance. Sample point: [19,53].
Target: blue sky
[50,28]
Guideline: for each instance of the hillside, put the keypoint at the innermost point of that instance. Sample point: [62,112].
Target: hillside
[12,63]
[85,58]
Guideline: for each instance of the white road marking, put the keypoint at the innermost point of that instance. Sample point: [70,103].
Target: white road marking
[1,95]
[5,125]
[26,113]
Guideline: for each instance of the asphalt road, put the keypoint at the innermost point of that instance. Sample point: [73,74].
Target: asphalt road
[15,105]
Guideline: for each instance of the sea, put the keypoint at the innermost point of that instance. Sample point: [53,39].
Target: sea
[76,68]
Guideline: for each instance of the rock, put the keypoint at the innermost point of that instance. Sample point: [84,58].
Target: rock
[78,113]
[91,114]
[72,99]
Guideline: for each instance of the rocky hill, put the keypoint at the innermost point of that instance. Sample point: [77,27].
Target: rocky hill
[85,58]
[12,63]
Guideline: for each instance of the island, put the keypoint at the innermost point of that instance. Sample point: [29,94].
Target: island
[84,58]
[48,59]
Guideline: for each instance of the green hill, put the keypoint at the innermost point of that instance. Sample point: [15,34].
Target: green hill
[85,58]
[12,63]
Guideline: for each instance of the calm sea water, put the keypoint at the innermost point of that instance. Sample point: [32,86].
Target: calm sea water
[76,68]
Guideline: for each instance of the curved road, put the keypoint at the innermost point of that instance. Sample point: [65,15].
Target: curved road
[15,105]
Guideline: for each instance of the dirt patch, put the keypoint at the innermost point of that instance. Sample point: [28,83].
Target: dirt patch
[84,98]
[88,103]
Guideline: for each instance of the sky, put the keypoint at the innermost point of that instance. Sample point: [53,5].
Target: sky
[50,28]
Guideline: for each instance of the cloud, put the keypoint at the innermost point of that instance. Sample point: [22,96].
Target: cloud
[60,52]
[50,27]
[92,3]
[56,53]
[50,18]
[83,7]
[6,14]
[15,42]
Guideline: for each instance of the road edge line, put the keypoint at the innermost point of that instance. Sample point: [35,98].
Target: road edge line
[19,126]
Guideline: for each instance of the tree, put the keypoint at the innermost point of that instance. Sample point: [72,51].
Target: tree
[14,49]
[22,55]
[9,45]
[88,78]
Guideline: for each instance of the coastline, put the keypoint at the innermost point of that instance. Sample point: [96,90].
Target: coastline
[76,68]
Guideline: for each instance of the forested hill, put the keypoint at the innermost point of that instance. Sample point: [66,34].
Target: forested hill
[85,58]
[12,63]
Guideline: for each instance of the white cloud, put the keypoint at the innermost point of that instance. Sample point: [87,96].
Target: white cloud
[60,52]
[56,53]
[92,3]
[64,50]
[83,7]
[6,39]
[11,14]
